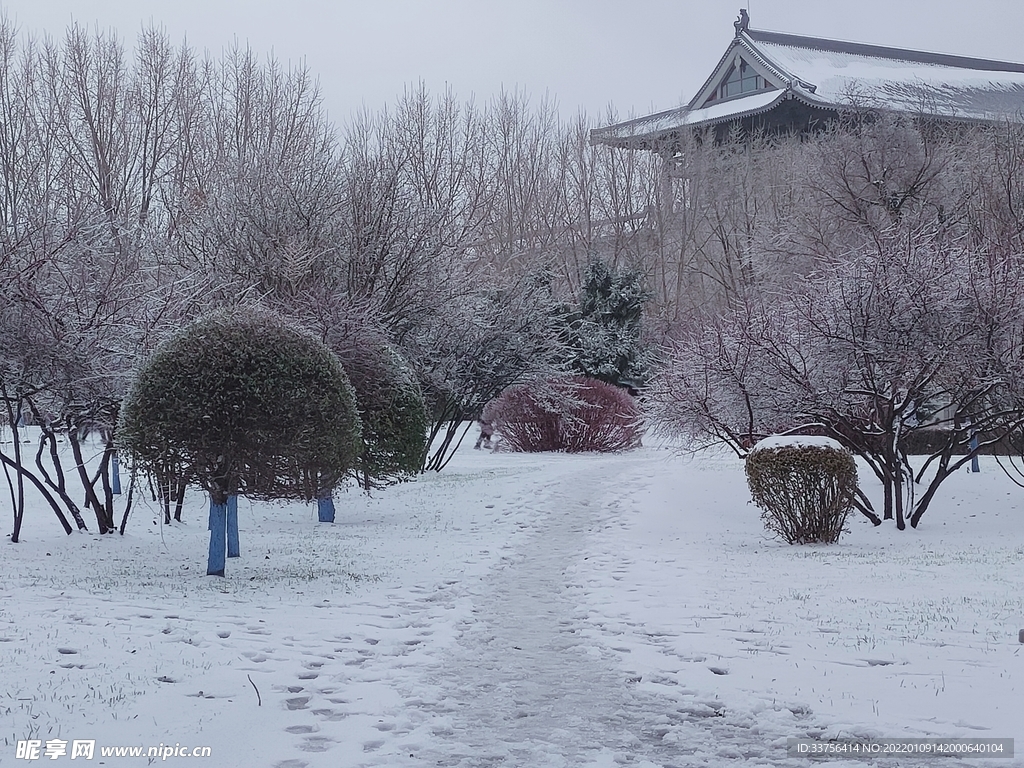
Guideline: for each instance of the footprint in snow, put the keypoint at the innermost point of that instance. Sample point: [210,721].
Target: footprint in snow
[331,715]
[316,744]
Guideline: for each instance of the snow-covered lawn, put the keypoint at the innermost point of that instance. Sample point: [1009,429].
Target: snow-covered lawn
[518,610]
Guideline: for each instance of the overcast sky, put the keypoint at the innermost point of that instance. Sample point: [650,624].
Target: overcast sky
[640,55]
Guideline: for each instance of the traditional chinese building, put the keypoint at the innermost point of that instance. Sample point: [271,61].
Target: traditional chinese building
[780,82]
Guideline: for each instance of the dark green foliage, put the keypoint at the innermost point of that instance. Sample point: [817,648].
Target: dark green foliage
[243,403]
[391,407]
[605,334]
[572,414]
[805,492]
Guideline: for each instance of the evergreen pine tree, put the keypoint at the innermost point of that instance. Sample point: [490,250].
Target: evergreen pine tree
[605,333]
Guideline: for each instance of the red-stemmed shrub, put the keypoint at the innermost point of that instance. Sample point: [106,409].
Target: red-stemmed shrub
[573,415]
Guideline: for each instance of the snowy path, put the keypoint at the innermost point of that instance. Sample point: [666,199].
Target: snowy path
[525,686]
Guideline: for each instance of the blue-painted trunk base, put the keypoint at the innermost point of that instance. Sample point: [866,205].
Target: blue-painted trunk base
[218,536]
[233,526]
[115,474]
[325,509]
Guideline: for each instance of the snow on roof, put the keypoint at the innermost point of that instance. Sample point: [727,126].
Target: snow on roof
[796,441]
[834,74]
[673,119]
[844,78]
[881,51]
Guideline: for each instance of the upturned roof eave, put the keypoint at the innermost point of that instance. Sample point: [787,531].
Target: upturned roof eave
[595,132]
[786,95]
[649,138]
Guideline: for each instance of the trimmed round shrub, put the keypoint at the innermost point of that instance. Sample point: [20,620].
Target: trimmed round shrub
[391,406]
[244,403]
[573,415]
[805,489]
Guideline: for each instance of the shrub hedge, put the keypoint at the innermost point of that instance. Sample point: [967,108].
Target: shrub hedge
[805,492]
[391,405]
[574,415]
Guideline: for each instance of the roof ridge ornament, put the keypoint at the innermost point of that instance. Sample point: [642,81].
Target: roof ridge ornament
[742,24]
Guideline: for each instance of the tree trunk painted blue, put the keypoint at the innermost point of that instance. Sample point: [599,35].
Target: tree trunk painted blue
[115,474]
[325,509]
[974,446]
[218,532]
[233,526]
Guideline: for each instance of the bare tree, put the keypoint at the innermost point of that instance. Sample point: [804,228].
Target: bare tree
[870,350]
[466,354]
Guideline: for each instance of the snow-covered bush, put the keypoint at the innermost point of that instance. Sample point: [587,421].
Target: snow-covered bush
[573,415]
[804,486]
[245,404]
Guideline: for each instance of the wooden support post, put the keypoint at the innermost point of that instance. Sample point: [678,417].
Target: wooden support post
[325,508]
[218,533]
[233,550]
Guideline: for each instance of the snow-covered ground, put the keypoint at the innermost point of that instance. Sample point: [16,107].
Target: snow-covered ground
[518,610]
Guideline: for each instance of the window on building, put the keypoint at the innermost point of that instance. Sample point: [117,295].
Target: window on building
[740,79]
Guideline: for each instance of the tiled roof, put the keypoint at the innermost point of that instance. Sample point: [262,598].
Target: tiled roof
[936,87]
[880,51]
